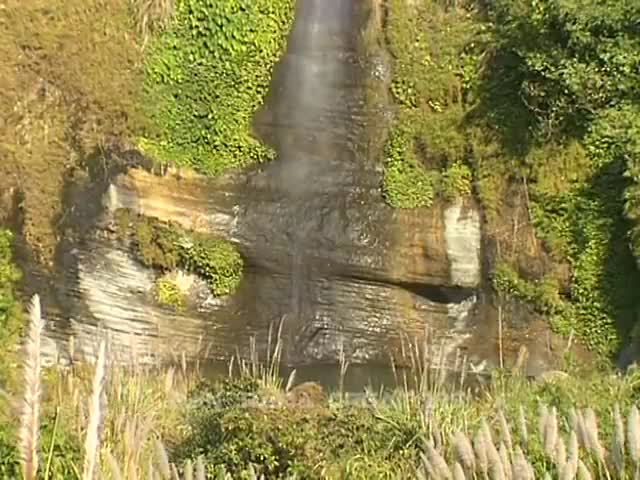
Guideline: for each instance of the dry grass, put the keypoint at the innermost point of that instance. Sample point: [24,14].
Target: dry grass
[152,15]
[70,80]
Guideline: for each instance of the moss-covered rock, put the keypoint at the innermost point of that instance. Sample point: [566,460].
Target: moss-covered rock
[166,246]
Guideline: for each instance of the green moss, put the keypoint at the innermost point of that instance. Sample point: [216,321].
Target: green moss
[206,75]
[215,260]
[165,246]
[406,182]
[166,292]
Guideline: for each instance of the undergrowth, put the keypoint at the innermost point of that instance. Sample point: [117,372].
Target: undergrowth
[171,423]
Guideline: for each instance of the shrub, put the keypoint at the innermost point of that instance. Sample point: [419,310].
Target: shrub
[168,293]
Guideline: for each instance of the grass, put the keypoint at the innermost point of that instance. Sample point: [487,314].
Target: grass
[70,84]
[172,423]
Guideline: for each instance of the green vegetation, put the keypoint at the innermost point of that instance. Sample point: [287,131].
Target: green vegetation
[70,83]
[206,75]
[10,319]
[166,246]
[535,100]
[168,293]
[426,151]
[249,424]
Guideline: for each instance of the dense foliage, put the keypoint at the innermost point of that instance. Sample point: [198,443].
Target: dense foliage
[206,75]
[166,246]
[426,151]
[574,67]
[238,424]
[543,96]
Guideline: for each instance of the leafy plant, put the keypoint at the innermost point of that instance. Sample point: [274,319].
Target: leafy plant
[206,75]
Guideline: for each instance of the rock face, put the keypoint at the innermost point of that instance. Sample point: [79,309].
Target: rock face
[323,253]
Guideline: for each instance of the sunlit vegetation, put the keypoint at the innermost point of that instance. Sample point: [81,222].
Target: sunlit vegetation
[170,423]
[165,246]
[70,84]
[539,101]
[206,75]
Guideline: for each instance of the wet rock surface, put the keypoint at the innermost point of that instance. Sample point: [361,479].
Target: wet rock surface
[323,253]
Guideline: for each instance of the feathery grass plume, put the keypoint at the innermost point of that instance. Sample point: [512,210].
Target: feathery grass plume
[427,470]
[439,464]
[151,472]
[200,470]
[583,471]
[495,462]
[162,458]
[521,468]
[188,470]
[617,441]
[591,424]
[581,430]
[550,433]
[169,380]
[486,431]
[481,452]
[560,457]
[567,472]
[114,468]
[506,463]
[542,422]
[30,415]
[463,451]
[458,472]
[92,439]
[505,430]
[573,455]
[573,421]
[522,426]
[633,435]
[174,472]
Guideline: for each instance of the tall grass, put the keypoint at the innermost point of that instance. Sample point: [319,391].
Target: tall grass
[30,418]
[502,432]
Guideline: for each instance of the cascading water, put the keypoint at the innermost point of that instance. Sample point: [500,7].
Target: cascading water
[322,249]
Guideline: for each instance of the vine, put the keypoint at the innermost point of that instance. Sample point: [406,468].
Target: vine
[206,75]
[425,154]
